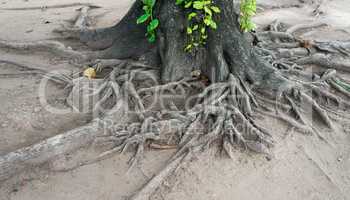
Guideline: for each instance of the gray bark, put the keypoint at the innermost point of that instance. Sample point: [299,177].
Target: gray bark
[35,155]
[227,50]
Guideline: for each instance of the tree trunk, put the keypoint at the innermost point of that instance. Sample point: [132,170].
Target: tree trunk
[226,54]
[227,50]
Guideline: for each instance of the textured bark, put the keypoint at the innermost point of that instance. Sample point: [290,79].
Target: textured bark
[124,40]
[67,142]
[227,57]
[227,51]
[35,155]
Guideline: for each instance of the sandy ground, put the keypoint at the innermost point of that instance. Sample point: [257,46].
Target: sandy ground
[303,167]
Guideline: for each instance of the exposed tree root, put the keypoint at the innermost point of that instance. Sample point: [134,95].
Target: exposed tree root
[273,7]
[273,35]
[21,66]
[40,153]
[300,27]
[44,151]
[292,52]
[161,146]
[54,47]
[53,7]
[61,79]
[337,86]
[222,113]
[334,47]
[329,61]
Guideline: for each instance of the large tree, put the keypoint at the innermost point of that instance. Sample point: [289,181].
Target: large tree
[240,74]
[227,51]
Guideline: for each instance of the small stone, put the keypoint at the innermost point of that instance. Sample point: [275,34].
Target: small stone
[340,159]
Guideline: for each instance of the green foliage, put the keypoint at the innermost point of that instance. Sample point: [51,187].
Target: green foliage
[199,19]
[147,18]
[248,10]
[200,15]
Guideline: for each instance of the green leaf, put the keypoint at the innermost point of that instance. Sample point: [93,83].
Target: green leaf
[195,27]
[188,47]
[143,18]
[207,21]
[199,5]
[248,10]
[152,38]
[189,31]
[178,2]
[191,15]
[188,4]
[207,3]
[153,2]
[215,9]
[153,25]
[208,11]
[202,30]
[213,24]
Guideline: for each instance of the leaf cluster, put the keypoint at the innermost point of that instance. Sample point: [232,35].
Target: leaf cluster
[248,10]
[147,18]
[199,19]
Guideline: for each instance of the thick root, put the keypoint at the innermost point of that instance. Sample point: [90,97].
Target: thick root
[53,7]
[300,27]
[54,47]
[17,161]
[337,85]
[322,60]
